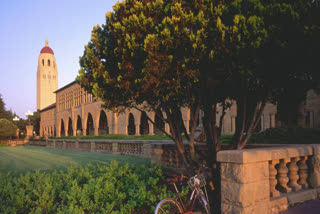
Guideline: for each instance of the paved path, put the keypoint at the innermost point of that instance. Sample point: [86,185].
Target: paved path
[310,207]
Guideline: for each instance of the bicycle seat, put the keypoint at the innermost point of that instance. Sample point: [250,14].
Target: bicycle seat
[172,180]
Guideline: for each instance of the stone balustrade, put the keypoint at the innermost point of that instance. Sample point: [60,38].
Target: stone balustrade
[269,180]
[266,180]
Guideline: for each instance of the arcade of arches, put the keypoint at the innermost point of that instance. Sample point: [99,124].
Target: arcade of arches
[77,112]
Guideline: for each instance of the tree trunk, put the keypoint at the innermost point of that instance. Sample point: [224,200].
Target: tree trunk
[213,144]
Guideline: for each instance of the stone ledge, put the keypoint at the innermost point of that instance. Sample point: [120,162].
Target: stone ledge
[259,208]
[301,196]
[265,154]
[278,204]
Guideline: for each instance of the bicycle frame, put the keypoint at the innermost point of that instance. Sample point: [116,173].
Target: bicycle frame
[187,209]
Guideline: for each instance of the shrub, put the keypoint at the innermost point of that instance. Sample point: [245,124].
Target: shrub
[113,188]
[287,135]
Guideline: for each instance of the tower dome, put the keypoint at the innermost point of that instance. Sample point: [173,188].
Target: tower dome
[47,77]
[46,49]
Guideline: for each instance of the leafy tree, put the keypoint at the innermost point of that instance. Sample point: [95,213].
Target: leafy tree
[7,128]
[146,57]
[3,112]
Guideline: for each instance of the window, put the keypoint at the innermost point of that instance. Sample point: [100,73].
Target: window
[43,62]
[44,76]
[54,77]
[48,62]
[49,77]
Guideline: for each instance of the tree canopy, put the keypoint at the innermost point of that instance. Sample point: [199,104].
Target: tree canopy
[7,128]
[3,112]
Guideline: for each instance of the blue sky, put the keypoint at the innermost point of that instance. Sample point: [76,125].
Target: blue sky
[25,25]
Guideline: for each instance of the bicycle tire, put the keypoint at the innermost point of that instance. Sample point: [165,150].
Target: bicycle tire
[204,203]
[168,206]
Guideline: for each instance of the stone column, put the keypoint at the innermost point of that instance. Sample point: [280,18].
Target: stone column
[283,176]
[29,131]
[303,172]
[272,178]
[137,130]
[314,178]
[96,131]
[293,174]
[84,132]
[151,128]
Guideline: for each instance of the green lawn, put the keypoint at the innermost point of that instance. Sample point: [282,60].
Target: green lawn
[25,158]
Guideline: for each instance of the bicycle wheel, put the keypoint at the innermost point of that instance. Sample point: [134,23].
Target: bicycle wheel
[204,203]
[168,206]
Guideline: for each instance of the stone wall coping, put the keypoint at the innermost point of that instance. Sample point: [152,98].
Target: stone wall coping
[266,154]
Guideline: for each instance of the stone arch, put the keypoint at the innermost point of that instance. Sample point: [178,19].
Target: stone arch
[131,125]
[158,122]
[103,124]
[144,125]
[89,125]
[79,124]
[62,129]
[70,127]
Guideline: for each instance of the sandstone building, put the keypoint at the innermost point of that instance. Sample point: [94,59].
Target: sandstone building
[47,77]
[76,109]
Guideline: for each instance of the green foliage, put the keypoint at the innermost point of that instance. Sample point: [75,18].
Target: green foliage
[7,128]
[115,188]
[287,135]
[7,114]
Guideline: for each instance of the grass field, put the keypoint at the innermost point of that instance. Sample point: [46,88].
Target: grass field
[25,158]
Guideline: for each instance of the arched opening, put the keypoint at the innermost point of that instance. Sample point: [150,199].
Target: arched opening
[131,125]
[158,123]
[79,124]
[42,62]
[90,129]
[144,126]
[70,130]
[48,62]
[103,123]
[62,131]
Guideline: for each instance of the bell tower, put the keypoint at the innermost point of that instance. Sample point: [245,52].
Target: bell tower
[47,77]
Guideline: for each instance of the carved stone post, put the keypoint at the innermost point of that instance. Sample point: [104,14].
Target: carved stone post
[293,174]
[314,178]
[272,178]
[92,146]
[303,172]
[282,176]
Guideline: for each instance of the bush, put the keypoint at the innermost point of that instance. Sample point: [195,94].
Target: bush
[113,188]
[287,135]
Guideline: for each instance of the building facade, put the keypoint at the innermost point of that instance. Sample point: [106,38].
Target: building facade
[77,110]
[47,77]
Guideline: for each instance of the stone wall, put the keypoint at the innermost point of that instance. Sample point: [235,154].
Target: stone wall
[264,180]
[268,180]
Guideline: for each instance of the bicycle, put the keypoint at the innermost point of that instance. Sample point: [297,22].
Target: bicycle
[172,206]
